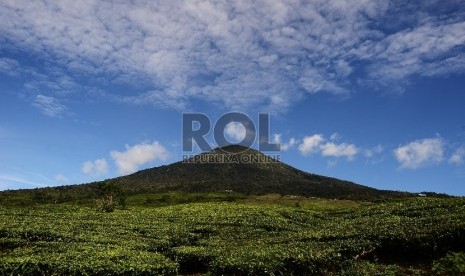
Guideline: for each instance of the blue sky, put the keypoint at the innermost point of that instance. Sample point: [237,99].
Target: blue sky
[368,91]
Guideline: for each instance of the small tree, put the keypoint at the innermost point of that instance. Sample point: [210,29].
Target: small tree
[111,195]
[106,203]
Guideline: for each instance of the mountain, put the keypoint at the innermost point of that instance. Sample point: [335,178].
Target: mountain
[243,170]
[229,169]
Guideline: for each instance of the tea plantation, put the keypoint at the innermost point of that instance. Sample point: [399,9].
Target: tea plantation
[247,236]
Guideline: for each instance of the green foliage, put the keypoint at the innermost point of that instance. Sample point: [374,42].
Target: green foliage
[169,198]
[365,268]
[452,264]
[246,237]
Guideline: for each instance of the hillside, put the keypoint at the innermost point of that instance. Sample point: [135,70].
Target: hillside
[252,177]
[196,175]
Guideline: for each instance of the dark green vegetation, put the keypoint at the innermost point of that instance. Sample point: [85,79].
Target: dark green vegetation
[255,235]
[255,178]
[229,219]
[245,178]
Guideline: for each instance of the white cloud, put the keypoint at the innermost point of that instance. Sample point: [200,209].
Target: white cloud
[339,150]
[458,156]
[318,144]
[241,54]
[427,50]
[420,153]
[235,131]
[284,146]
[49,106]
[129,161]
[277,138]
[97,167]
[290,144]
[311,144]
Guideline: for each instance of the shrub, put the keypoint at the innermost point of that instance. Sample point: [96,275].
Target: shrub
[106,203]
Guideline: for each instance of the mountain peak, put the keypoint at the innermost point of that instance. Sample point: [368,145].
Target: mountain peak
[243,170]
[234,149]
[233,154]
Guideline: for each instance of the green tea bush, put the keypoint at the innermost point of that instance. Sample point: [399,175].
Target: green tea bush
[452,264]
[224,238]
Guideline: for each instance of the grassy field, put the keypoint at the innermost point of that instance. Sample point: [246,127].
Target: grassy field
[195,234]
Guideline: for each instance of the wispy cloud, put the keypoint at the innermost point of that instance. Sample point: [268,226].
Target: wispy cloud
[96,168]
[240,54]
[20,180]
[129,160]
[9,66]
[430,49]
[458,156]
[49,106]
[284,145]
[369,153]
[420,153]
[61,178]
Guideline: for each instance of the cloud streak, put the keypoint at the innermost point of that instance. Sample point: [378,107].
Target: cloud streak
[239,54]
[20,180]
